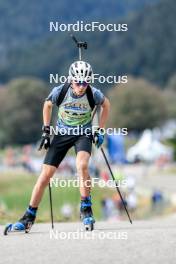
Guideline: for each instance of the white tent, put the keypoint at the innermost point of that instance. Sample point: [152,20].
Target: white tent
[148,149]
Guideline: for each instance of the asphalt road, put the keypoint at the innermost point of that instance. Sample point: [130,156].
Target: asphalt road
[149,242]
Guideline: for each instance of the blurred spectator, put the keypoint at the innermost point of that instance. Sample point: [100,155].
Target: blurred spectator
[26,159]
[132,201]
[157,200]
[109,211]
[120,203]
[131,182]
[9,157]
[157,197]
[105,175]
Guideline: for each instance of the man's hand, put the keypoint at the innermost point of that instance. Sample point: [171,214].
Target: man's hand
[45,140]
[99,137]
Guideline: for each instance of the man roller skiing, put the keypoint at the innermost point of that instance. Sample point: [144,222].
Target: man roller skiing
[74,110]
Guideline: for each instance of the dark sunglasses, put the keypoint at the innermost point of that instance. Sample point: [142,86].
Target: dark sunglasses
[84,84]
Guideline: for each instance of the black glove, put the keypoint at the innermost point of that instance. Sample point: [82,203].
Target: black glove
[45,141]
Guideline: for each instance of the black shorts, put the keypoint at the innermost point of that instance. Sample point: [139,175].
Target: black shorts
[62,143]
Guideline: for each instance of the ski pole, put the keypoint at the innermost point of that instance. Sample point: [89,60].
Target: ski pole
[109,167]
[118,190]
[51,206]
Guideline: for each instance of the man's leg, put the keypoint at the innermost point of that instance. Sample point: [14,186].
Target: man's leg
[83,149]
[43,180]
[53,158]
[28,218]
[82,162]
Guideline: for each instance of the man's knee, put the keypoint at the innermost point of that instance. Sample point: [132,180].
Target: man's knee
[82,166]
[46,175]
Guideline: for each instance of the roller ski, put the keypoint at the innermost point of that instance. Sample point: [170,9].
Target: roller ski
[23,225]
[86,214]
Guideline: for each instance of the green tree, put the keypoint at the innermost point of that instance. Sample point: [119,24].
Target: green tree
[170,97]
[22,118]
[137,105]
[172,83]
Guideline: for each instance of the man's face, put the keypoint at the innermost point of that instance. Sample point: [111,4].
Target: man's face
[79,88]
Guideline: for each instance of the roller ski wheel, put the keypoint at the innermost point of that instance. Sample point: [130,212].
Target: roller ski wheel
[17,227]
[88,224]
[7,229]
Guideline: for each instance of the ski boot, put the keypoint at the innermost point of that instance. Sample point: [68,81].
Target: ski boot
[24,224]
[86,214]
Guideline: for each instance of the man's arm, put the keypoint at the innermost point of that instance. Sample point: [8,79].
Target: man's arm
[104,113]
[47,112]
